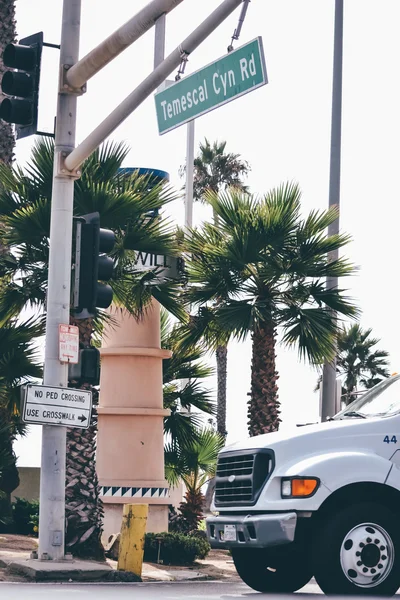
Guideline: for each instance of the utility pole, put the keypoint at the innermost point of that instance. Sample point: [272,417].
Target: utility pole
[159,39]
[52,474]
[329,407]
[159,55]
[189,174]
[189,198]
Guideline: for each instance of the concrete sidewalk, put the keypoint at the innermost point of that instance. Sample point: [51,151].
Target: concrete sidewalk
[16,565]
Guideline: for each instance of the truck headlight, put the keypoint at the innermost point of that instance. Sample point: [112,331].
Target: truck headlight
[299,487]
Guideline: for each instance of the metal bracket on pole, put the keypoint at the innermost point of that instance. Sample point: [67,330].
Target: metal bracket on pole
[238,30]
[182,66]
[65,87]
[62,170]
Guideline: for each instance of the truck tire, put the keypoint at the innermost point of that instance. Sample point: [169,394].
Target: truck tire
[282,569]
[357,552]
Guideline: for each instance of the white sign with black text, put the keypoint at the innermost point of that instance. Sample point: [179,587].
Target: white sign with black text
[47,405]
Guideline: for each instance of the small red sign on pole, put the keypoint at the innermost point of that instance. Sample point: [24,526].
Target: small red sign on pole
[68,344]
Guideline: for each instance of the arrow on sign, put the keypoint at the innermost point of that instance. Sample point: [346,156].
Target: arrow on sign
[82,418]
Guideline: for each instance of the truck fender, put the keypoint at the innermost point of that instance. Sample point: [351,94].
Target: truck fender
[338,469]
[393,479]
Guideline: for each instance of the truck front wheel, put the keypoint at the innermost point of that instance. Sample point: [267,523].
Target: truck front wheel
[357,552]
[282,569]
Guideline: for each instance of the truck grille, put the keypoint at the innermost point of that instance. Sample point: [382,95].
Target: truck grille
[241,475]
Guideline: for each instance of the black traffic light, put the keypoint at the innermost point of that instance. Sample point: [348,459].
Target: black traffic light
[88,368]
[91,264]
[22,84]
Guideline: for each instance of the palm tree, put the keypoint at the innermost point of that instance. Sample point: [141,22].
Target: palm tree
[18,364]
[124,202]
[182,388]
[214,170]
[7,36]
[183,391]
[195,463]
[357,362]
[266,265]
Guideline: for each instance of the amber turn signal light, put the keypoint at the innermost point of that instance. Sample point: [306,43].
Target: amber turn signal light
[299,487]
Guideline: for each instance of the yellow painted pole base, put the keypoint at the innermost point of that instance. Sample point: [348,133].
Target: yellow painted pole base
[131,544]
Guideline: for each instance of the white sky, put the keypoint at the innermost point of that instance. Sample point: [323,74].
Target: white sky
[282,129]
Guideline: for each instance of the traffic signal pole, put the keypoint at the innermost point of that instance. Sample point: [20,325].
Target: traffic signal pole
[67,160]
[52,474]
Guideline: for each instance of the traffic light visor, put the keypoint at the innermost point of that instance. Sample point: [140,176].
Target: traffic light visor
[17,56]
[16,111]
[17,84]
[106,240]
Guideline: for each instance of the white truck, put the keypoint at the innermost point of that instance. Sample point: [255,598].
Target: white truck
[322,500]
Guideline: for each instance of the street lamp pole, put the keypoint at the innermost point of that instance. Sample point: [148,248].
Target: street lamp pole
[329,407]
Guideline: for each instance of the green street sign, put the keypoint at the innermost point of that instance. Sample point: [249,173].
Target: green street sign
[231,76]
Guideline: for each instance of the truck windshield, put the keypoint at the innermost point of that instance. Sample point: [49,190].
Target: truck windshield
[383,400]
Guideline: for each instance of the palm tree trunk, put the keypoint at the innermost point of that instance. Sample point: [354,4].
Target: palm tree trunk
[7,35]
[84,508]
[263,406]
[222,360]
[222,363]
[221,355]
[191,509]
[9,476]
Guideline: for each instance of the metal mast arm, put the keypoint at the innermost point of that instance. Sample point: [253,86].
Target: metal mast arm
[116,43]
[151,83]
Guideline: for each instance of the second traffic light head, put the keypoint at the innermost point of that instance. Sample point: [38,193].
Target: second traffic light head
[105,241]
[88,368]
[91,265]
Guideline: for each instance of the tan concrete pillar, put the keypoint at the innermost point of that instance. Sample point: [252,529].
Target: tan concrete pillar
[130,445]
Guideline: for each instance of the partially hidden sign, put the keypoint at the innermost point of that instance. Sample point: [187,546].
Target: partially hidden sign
[239,72]
[68,347]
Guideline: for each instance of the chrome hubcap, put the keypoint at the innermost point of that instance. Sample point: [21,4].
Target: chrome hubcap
[367,555]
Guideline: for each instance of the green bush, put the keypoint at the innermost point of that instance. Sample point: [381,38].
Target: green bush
[25,516]
[199,534]
[176,548]
[5,514]
[35,523]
